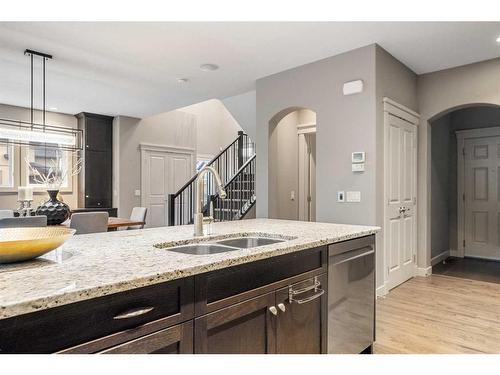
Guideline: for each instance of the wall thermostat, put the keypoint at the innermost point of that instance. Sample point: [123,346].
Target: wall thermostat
[358,157]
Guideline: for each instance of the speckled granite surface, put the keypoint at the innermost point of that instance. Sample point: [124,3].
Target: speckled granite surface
[94,265]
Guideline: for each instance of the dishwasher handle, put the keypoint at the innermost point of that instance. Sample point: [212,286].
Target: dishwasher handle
[351,255]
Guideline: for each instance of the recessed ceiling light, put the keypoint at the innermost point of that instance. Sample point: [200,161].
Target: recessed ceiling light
[182,80]
[209,67]
[53,109]
[498,39]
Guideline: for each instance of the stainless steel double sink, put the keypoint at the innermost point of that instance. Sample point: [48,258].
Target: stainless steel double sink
[225,245]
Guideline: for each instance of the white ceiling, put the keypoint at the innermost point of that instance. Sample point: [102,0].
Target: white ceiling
[132,68]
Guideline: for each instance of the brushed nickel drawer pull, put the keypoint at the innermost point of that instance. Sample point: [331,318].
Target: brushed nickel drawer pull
[134,313]
[319,293]
[282,307]
[273,310]
[314,286]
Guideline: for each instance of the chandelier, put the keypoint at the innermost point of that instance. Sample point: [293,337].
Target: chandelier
[41,134]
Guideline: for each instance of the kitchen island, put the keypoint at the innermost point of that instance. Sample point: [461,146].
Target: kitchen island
[129,291]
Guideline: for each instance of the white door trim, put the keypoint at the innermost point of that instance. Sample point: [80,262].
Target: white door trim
[304,171]
[400,110]
[462,135]
[393,108]
[179,150]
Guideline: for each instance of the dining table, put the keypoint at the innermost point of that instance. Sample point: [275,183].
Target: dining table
[115,222]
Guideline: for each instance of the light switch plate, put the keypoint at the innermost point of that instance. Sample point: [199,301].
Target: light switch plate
[353,196]
[358,167]
[340,196]
[137,193]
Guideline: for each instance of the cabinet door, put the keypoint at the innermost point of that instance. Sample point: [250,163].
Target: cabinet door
[301,327]
[98,171]
[174,340]
[245,328]
[98,133]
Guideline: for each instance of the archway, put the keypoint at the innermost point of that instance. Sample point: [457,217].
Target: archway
[465,186]
[292,164]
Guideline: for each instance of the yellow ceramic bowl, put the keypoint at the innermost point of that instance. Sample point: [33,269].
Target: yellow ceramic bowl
[18,244]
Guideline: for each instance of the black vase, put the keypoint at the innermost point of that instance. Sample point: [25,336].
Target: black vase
[56,211]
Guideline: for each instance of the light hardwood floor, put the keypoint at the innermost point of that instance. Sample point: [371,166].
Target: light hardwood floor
[439,314]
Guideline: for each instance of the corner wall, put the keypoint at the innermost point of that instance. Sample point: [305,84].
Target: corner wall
[344,124]
[439,93]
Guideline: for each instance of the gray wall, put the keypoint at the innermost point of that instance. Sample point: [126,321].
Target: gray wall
[204,127]
[215,126]
[283,168]
[174,128]
[440,186]
[344,124]
[243,108]
[444,170]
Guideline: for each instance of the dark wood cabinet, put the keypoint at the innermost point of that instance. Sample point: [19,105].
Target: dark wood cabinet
[285,314]
[244,328]
[301,324]
[99,323]
[95,179]
[174,340]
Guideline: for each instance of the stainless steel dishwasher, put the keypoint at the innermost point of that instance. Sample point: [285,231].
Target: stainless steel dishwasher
[351,296]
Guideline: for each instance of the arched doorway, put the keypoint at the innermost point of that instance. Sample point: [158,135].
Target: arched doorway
[465,190]
[292,164]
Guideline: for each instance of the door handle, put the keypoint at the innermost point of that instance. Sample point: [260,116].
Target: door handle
[273,310]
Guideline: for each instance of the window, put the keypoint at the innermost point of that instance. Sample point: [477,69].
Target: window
[6,165]
[47,160]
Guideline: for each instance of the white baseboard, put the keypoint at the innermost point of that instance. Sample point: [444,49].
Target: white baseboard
[381,291]
[424,271]
[440,257]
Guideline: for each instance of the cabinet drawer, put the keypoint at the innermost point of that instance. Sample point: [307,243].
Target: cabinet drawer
[221,288]
[174,340]
[62,327]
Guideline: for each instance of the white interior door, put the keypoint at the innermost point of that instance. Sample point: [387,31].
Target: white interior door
[163,173]
[400,213]
[482,197]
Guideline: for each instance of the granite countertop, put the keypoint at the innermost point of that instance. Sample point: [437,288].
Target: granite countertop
[93,265]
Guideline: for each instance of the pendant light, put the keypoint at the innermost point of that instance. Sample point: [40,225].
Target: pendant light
[30,133]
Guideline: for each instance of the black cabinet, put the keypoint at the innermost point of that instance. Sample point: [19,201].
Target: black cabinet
[95,180]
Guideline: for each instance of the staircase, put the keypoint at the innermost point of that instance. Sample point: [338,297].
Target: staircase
[236,167]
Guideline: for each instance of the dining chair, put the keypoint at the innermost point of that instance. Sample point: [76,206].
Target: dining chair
[24,221]
[89,222]
[138,214]
[6,213]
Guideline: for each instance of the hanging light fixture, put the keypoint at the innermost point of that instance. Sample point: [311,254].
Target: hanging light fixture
[30,133]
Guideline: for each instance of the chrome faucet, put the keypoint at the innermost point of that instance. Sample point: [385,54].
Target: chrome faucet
[200,187]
